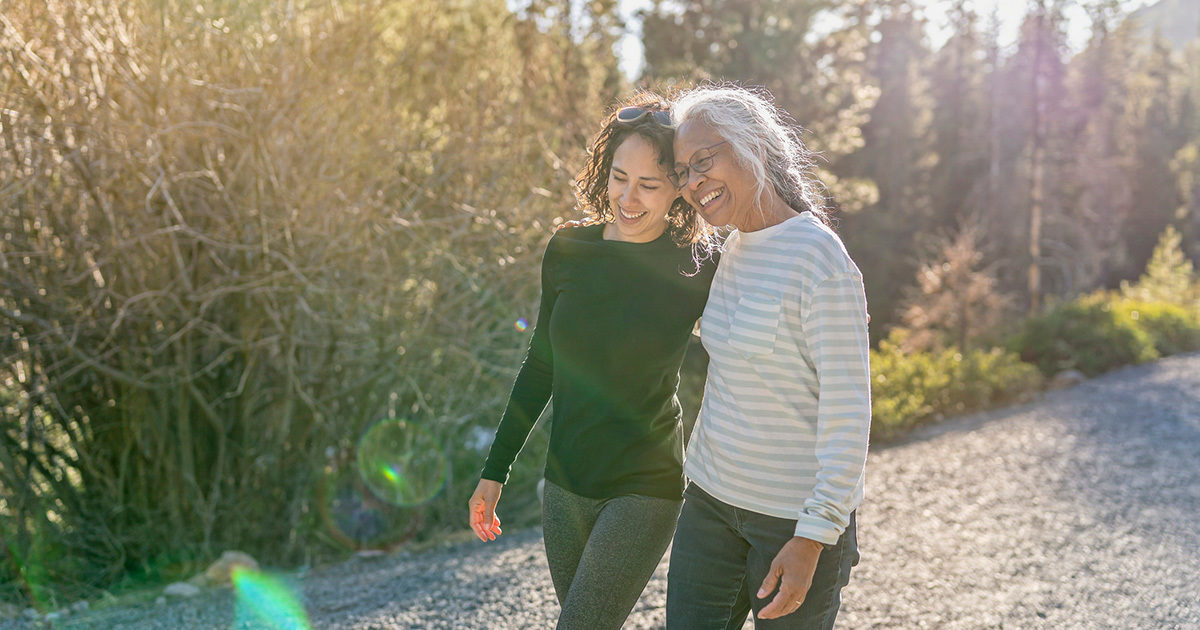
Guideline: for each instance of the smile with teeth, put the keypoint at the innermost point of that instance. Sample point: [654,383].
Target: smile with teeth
[704,201]
[631,217]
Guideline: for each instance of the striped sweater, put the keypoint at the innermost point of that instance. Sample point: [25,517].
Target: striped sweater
[787,406]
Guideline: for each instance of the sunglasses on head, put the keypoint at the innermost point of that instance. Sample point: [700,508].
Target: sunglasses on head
[631,115]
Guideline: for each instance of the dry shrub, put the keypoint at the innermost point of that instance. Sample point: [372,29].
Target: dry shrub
[956,299]
[235,234]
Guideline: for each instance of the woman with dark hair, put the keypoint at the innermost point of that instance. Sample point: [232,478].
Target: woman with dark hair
[775,463]
[620,296]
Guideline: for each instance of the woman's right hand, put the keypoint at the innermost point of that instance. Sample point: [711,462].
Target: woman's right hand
[482,507]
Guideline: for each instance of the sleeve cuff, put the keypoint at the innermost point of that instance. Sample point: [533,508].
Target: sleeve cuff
[493,475]
[818,529]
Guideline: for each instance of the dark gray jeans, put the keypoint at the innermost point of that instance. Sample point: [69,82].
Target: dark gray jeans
[602,552]
[721,555]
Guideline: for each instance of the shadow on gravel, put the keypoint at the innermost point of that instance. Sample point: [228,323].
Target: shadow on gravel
[1135,447]
[1075,511]
[1130,479]
[1133,444]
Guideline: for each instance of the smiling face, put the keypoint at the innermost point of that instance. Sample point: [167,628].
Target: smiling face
[725,194]
[639,192]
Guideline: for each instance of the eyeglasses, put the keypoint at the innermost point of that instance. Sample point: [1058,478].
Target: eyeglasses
[701,162]
[631,115]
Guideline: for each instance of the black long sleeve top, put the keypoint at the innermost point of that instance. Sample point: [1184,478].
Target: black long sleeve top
[611,332]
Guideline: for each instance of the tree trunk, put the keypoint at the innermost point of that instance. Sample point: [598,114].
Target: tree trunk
[1036,166]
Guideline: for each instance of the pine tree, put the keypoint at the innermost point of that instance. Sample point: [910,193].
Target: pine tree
[1153,137]
[1186,165]
[1169,275]
[959,129]
[1026,174]
[895,154]
[1097,195]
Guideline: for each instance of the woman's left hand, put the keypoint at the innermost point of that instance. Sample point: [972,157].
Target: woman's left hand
[482,508]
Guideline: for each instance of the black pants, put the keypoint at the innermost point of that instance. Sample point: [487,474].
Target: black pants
[721,555]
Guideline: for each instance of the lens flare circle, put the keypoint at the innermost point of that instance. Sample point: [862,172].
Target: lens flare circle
[521,325]
[355,518]
[401,463]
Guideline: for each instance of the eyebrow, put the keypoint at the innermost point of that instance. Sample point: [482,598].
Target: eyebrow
[621,171]
[708,148]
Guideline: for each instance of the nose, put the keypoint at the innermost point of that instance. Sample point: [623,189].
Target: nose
[627,194]
[693,176]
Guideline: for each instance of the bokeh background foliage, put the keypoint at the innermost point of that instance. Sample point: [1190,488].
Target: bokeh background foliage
[236,234]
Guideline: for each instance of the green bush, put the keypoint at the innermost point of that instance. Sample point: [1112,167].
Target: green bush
[908,389]
[1087,334]
[1172,327]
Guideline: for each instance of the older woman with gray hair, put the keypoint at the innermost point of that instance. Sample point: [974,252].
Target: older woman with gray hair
[777,457]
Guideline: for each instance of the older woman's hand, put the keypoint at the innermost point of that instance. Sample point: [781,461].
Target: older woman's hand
[792,571]
[482,508]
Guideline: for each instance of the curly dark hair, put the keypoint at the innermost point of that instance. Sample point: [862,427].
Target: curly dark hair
[591,185]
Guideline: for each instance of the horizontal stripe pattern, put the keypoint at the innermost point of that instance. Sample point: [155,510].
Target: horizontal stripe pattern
[786,413]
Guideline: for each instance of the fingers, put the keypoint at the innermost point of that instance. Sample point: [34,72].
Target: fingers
[769,582]
[476,511]
[790,596]
[785,602]
[792,570]
[779,605]
[493,522]
[482,513]
[482,509]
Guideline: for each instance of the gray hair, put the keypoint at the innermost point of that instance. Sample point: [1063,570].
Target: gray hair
[762,140]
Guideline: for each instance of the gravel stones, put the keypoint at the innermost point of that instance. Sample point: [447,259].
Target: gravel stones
[1077,511]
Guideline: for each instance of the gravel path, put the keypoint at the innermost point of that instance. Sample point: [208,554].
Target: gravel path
[1078,511]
